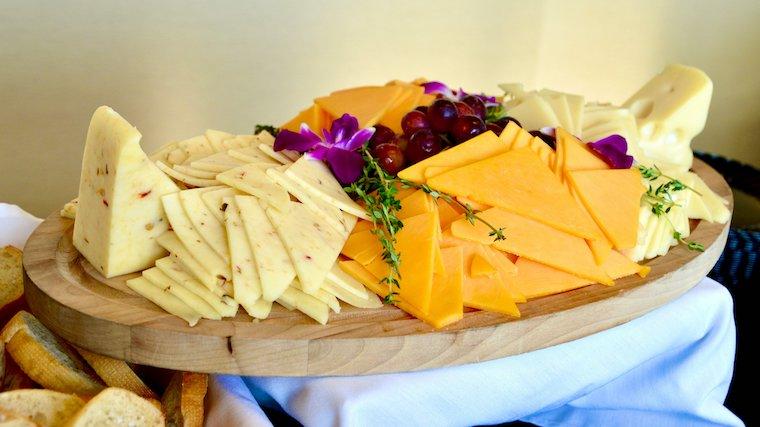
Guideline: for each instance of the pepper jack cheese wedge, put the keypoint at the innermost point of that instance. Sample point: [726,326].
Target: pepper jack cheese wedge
[120,213]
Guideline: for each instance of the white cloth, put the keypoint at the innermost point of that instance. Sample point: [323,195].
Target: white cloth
[669,367]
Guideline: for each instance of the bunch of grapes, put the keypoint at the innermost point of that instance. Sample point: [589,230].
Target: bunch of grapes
[428,130]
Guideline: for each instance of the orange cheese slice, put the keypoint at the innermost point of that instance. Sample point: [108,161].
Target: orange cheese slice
[534,240]
[480,267]
[362,225]
[473,204]
[426,99]
[520,182]
[362,247]
[368,104]
[417,244]
[506,270]
[485,145]
[612,197]
[489,294]
[406,102]
[312,116]
[447,213]
[414,204]
[600,247]
[577,156]
[618,265]
[446,297]
[537,280]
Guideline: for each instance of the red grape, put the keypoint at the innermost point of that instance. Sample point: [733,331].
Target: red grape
[382,135]
[423,144]
[390,157]
[467,127]
[402,141]
[414,121]
[477,105]
[495,128]
[441,115]
[422,108]
[464,109]
[548,139]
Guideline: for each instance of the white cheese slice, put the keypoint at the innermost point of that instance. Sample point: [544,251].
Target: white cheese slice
[214,201]
[253,180]
[168,302]
[533,112]
[176,156]
[315,177]
[217,162]
[163,152]
[208,226]
[265,137]
[714,203]
[186,179]
[196,148]
[323,296]
[245,278]
[216,138]
[370,301]
[239,141]
[198,304]
[120,214]
[340,278]
[171,243]
[195,173]
[561,109]
[273,263]
[192,240]
[251,155]
[306,304]
[312,245]
[327,212]
[259,310]
[279,156]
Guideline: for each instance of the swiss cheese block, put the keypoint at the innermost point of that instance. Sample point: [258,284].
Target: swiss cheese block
[273,263]
[312,245]
[120,213]
[315,177]
[368,104]
[577,156]
[485,145]
[246,283]
[534,240]
[537,280]
[253,180]
[612,197]
[520,182]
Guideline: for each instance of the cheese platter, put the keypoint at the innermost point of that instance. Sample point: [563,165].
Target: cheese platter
[383,229]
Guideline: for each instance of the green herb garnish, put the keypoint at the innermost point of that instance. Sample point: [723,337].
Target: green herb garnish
[269,128]
[377,189]
[495,113]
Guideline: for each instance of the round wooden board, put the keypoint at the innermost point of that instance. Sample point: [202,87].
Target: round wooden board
[104,316]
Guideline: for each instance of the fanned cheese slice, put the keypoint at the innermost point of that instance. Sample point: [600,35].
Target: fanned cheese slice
[446,296]
[279,156]
[533,112]
[272,260]
[239,141]
[314,117]
[120,214]
[198,304]
[260,309]
[483,146]
[313,246]
[321,295]
[251,155]
[480,267]
[216,138]
[327,212]
[195,148]
[218,162]
[561,109]
[306,304]
[370,300]
[520,182]
[536,280]
[417,243]
[171,243]
[214,201]
[195,173]
[577,156]
[612,197]
[534,240]
[346,282]
[618,265]
[414,204]
[405,102]
[186,179]
[223,304]
[192,240]
[447,213]
[245,278]
[168,302]
[362,247]
[252,180]
[368,104]
[204,221]
[315,177]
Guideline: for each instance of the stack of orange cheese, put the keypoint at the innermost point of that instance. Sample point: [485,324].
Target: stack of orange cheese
[566,216]
[371,105]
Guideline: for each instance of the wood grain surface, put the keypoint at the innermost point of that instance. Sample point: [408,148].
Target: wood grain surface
[104,316]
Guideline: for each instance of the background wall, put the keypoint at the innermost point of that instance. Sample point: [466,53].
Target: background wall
[175,68]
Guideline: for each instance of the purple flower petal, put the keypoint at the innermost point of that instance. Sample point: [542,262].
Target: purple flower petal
[319,151]
[437,87]
[612,150]
[357,140]
[345,165]
[289,140]
[342,128]
[490,101]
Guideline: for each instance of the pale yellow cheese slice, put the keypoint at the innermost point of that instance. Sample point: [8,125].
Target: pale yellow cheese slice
[340,278]
[245,278]
[216,138]
[206,224]
[168,302]
[306,304]
[321,295]
[195,173]
[171,243]
[370,301]
[217,162]
[252,180]
[186,179]
[198,304]
[214,201]
[223,304]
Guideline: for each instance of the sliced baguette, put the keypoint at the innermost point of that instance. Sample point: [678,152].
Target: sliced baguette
[11,282]
[14,378]
[46,359]
[183,399]
[117,407]
[9,419]
[117,373]
[46,408]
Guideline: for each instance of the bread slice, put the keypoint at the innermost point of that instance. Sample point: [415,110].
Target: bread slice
[14,378]
[117,373]
[46,408]
[47,359]
[9,419]
[183,399]
[11,282]
[117,407]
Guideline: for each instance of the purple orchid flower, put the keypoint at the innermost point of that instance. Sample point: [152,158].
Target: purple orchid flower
[436,87]
[337,147]
[612,150]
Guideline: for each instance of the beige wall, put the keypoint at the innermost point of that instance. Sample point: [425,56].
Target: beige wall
[174,68]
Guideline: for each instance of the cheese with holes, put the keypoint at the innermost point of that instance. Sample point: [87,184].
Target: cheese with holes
[120,214]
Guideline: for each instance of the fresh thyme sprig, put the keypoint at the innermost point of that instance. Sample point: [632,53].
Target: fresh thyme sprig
[661,200]
[377,189]
[269,128]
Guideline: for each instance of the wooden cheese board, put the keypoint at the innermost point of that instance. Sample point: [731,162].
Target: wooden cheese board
[106,317]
